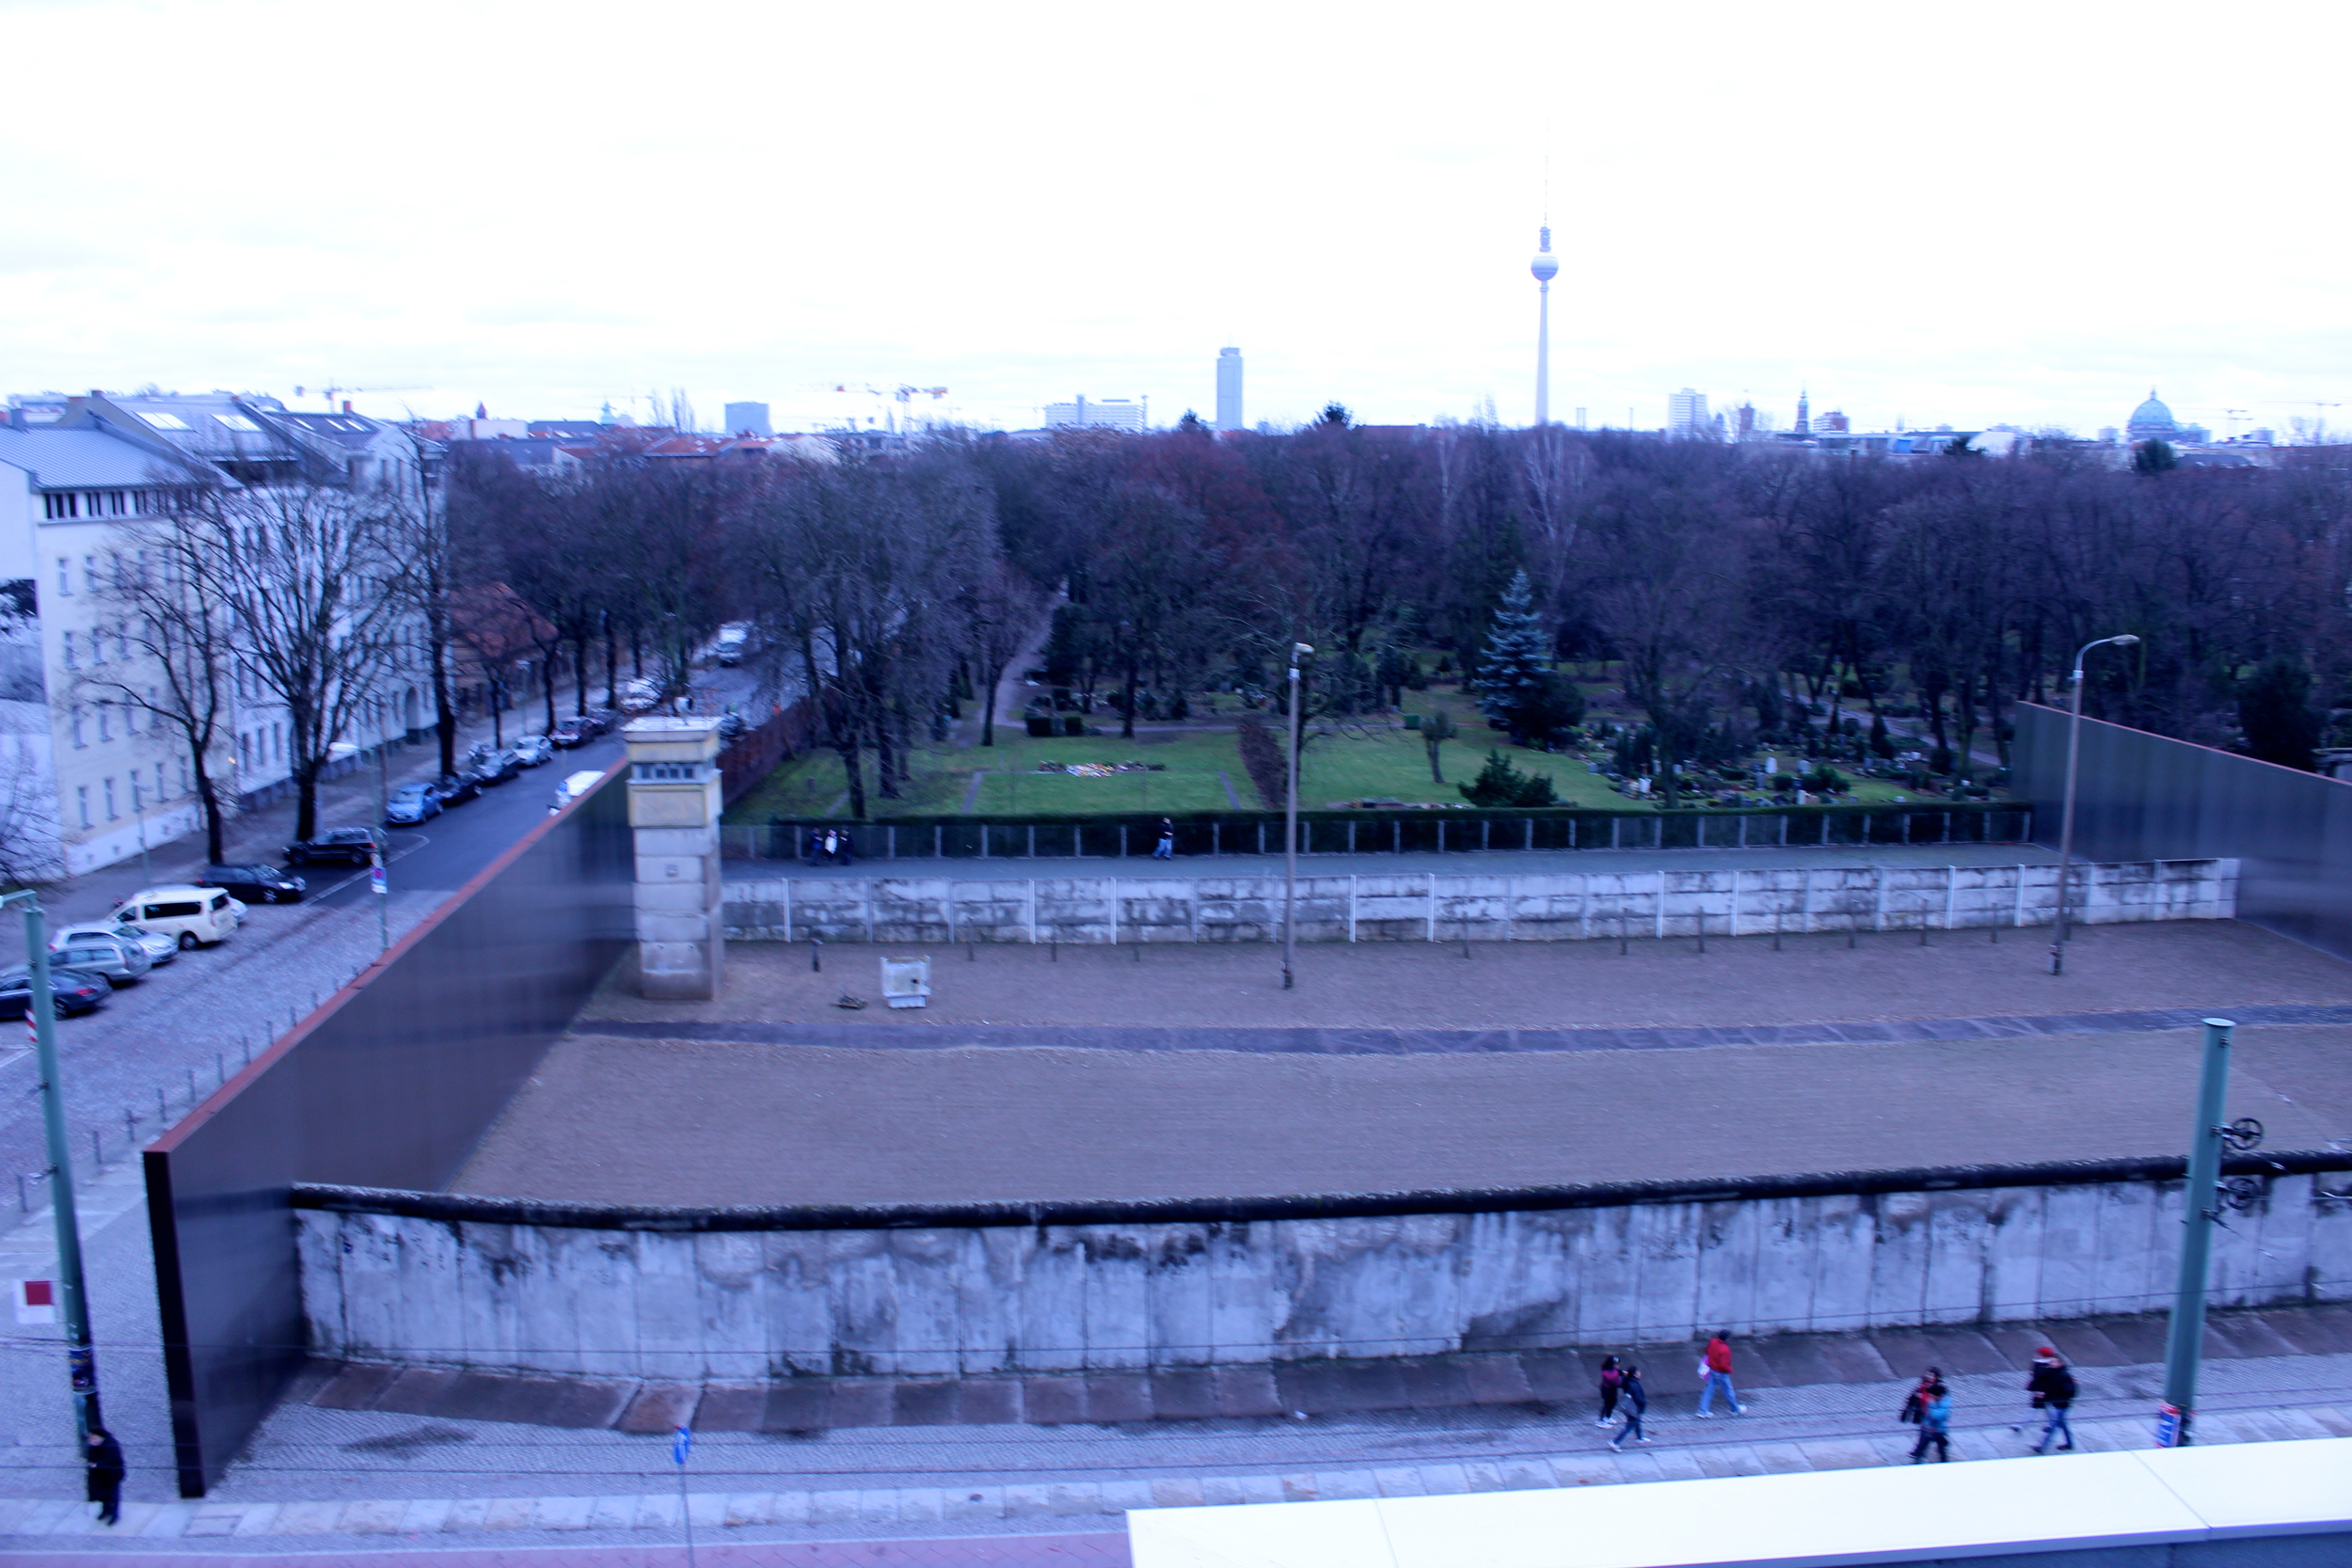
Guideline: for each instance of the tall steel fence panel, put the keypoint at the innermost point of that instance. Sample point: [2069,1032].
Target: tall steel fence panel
[392,1081]
[2148,796]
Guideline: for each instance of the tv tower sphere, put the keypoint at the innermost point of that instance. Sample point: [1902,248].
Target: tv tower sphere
[1545,266]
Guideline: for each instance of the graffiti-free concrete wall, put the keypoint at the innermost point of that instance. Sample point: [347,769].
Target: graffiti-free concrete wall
[1443,906]
[748,1295]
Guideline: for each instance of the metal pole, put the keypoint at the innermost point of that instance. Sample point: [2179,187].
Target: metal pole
[1290,832]
[81,1360]
[380,875]
[2184,1341]
[2066,821]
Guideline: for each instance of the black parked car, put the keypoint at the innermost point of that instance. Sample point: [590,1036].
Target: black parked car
[352,846]
[255,884]
[73,990]
[575,731]
[456,788]
[497,767]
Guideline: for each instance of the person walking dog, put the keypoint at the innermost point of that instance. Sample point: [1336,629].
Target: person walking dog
[2052,1387]
[1636,1399]
[1936,1427]
[1715,1372]
[1612,1383]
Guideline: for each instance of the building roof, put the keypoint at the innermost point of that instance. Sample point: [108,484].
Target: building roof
[355,431]
[83,458]
[216,426]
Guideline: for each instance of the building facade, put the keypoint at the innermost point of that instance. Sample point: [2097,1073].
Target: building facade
[1229,414]
[1132,415]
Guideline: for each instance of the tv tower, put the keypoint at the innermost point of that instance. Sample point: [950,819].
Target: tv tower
[1546,267]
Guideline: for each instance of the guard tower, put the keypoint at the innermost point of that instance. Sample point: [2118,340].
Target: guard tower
[673,804]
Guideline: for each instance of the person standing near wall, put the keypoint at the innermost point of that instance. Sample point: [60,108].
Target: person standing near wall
[2052,1387]
[1636,1401]
[1715,1372]
[1166,849]
[103,1456]
[1936,1427]
[1611,1381]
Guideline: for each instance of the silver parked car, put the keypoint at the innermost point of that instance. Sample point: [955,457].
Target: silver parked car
[120,962]
[533,750]
[160,948]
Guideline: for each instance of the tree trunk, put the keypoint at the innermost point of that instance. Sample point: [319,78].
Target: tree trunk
[857,781]
[208,795]
[555,656]
[579,671]
[1127,724]
[444,710]
[988,704]
[1436,775]
[612,666]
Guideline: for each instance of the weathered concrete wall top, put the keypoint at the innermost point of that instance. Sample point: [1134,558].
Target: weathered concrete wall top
[1451,907]
[379,1284]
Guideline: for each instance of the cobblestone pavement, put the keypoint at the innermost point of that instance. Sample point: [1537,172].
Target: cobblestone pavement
[348,1478]
[705,1124]
[1672,982]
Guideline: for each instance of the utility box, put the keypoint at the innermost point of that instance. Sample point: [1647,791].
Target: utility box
[906,982]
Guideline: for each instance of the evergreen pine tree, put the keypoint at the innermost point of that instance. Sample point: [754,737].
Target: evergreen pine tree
[1515,667]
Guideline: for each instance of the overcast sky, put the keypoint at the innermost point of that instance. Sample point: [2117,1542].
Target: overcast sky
[2026,212]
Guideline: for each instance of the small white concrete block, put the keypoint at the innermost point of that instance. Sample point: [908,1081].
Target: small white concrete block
[1439,1480]
[212,1519]
[1177,1492]
[308,1519]
[1299,1489]
[787,1508]
[465,1515]
[878,1505]
[1028,1502]
[707,1510]
[657,1511]
[1261,1489]
[377,1516]
[1399,1483]
[832,1507]
[511,1513]
[1071,1500]
[613,1513]
[425,1516]
[921,1505]
[747,1508]
[565,1512]
[1120,1496]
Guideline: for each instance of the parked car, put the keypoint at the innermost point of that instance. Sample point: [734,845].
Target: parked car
[638,695]
[350,846]
[120,960]
[191,914]
[412,804]
[160,949]
[456,789]
[71,990]
[533,750]
[255,884]
[575,731]
[497,768]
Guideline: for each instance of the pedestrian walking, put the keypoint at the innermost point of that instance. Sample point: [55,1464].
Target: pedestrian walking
[1916,1402]
[2052,1387]
[1715,1372]
[105,1459]
[1936,1427]
[1612,1383]
[1635,1400]
[1166,849]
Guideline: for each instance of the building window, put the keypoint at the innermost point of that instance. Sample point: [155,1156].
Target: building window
[138,801]
[89,573]
[65,581]
[122,640]
[81,802]
[97,647]
[187,778]
[277,740]
[111,813]
[69,652]
[77,726]
[105,721]
[159,782]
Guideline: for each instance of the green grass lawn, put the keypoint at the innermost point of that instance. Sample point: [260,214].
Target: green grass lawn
[1344,764]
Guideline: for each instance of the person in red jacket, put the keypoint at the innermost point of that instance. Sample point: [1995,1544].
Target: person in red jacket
[1716,1367]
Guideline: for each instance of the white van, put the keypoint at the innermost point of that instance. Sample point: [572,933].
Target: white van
[193,914]
[572,788]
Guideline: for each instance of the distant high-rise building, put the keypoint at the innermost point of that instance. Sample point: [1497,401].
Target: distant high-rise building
[748,419]
[1833,423]
[1746,416]
[1128,414]
[1686,413]
[1228,389]
[1805,416]
[1545,266]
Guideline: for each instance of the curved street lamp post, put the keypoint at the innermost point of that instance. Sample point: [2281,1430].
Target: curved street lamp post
[2074,761]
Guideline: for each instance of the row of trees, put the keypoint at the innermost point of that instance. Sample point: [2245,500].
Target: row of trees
[1733,591]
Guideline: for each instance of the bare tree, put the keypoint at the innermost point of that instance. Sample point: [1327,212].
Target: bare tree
[311,578]
[1006,612]
[171,596]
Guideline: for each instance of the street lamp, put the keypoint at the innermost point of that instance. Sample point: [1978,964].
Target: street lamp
[2074,760]
[1290,827]
[41,1017]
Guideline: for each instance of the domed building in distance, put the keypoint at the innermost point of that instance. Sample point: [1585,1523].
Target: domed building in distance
[2152,421]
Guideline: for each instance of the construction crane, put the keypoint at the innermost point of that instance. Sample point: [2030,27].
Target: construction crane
[904,394]
[331,394]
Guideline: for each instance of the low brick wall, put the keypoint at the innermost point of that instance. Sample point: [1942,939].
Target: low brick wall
[1451,907]
[752,1293]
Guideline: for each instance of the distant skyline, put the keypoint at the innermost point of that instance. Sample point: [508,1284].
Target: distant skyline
[2030,217]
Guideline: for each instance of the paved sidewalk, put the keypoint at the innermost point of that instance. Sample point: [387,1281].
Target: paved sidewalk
[1753,1445]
